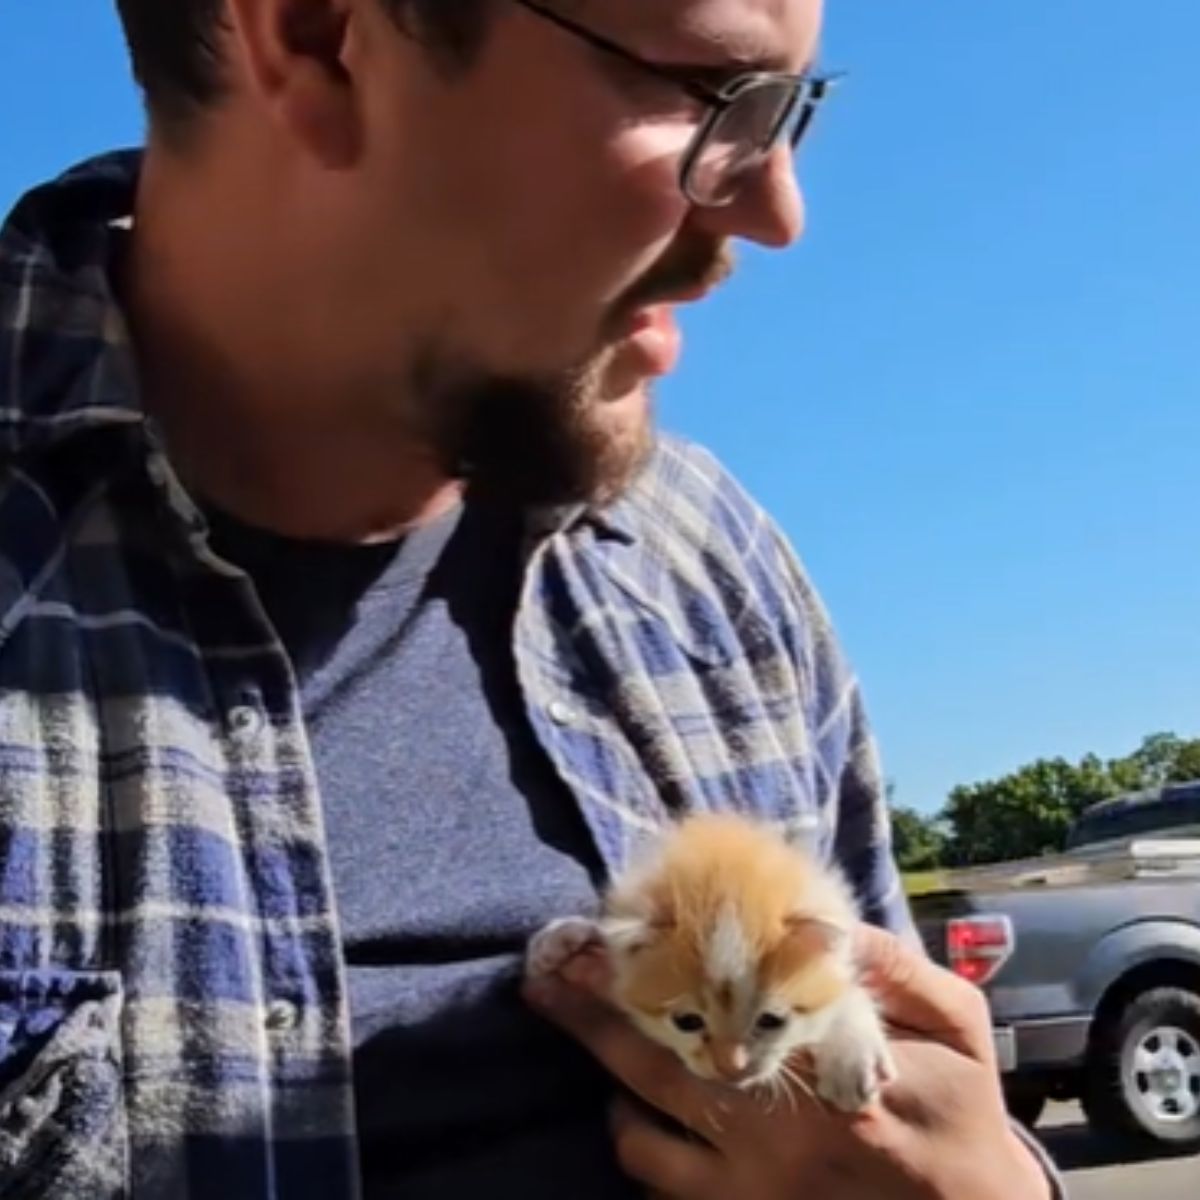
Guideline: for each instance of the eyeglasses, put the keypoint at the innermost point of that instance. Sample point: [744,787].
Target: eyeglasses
[746,118]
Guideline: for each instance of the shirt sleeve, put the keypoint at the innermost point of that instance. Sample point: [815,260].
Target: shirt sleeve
[846,753]
[1058,1186]
[863,835]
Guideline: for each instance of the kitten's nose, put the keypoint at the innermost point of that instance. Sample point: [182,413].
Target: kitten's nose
[731,1060]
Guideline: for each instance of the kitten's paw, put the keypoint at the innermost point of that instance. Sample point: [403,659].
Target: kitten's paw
[850,1076]
[553,946]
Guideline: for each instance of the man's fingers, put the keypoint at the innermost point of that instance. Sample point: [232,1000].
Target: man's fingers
[916,994]
[646,1069]
[668,1165]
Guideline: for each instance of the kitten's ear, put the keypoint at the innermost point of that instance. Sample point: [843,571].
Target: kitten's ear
[815,935]
[632,934]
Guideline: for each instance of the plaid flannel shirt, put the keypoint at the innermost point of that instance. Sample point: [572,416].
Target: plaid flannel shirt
[173,1017]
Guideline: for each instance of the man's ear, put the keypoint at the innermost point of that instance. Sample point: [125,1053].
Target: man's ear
[293,57]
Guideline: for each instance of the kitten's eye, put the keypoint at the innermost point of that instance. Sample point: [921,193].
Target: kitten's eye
[769,1022]
[688,1022]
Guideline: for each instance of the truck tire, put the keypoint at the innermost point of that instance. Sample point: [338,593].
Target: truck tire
[1142,1079]
[1025,1101]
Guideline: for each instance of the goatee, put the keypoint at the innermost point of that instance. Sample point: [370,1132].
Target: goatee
[552,439]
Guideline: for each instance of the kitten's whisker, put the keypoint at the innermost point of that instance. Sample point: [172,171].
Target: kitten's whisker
[788,1071]
[785,1084]
[796,1079]
[767,1090]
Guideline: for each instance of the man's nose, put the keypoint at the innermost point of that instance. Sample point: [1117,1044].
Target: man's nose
[767,208]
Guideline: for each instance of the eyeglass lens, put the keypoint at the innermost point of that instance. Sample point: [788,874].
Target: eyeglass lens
[741,136]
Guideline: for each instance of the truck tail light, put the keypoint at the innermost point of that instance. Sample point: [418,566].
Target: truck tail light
[977,947]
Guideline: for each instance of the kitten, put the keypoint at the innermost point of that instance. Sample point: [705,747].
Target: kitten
[733,949]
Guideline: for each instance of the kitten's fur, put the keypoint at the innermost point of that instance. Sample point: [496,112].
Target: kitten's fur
[733,948]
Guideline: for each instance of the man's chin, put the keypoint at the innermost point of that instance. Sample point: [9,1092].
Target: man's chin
[626,409]
[627,436]
[603,451]
[576,436]
[626,375]
[588,453]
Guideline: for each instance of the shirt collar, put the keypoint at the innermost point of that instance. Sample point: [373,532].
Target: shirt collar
[65,353]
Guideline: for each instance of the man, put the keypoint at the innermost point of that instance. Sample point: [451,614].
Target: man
[353,621]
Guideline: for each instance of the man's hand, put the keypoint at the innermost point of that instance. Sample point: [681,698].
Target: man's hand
[939,1133]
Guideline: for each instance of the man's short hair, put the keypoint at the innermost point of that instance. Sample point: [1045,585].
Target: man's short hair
[175,46]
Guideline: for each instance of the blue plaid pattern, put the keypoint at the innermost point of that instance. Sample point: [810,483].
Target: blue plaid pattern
[168,944]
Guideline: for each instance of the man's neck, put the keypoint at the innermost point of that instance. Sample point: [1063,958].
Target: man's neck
[306,480]
[251,421]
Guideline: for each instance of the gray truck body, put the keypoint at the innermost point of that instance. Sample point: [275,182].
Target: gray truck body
[1093,966]
[1076,943]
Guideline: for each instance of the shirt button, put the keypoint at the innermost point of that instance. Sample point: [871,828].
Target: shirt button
[246,722]
[561,713]
[282,1015]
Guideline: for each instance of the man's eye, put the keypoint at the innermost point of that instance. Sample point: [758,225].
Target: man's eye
[652,93]
[688,1022]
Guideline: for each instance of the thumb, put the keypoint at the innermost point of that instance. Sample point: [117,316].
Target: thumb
[573,1009]
[916,995]
[576,995]
[647,1069]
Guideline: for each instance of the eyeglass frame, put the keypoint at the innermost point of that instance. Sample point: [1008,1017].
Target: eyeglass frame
[718,101]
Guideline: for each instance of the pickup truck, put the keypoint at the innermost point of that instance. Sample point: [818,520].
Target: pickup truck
[1091,964]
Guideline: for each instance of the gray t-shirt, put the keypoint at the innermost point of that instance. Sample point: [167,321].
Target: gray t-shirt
[451,841]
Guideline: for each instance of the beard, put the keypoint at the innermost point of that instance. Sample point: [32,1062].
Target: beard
[535,439]
[577,435]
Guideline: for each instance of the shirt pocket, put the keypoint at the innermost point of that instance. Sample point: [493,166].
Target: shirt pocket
[63,1128]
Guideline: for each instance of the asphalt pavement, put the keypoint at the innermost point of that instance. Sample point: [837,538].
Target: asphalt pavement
[1095,1171]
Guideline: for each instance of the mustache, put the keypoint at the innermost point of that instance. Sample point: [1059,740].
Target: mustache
[690,267]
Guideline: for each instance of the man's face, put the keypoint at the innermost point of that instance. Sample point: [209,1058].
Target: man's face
[508,229]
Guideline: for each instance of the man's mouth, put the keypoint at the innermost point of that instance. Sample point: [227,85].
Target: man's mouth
[653,334]
[648,336]
[690,295]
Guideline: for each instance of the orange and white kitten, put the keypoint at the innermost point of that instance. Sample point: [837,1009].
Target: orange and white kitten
[733,948]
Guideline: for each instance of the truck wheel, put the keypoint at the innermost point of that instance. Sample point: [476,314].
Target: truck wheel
[1025,1101]
[1143,1071]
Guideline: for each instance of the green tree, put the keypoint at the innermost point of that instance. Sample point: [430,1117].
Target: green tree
[918,841]
[1186,766]
[1029,811]
[1022,814]
[1161,758]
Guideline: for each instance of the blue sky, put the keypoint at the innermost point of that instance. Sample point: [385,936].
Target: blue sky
[971,396]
